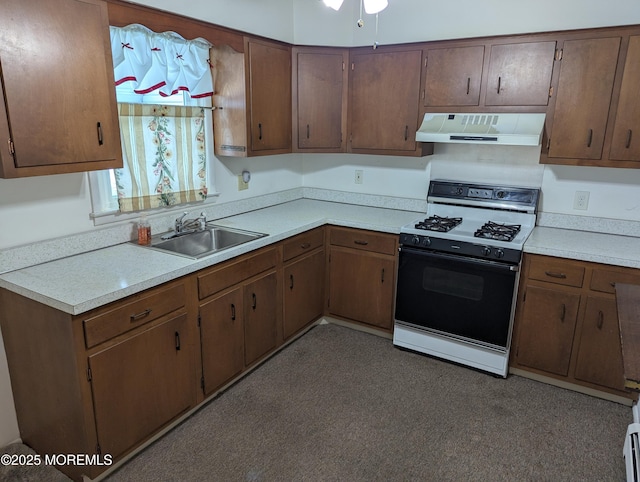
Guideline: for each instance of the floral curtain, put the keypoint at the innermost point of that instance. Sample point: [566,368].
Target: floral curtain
[164,156]
[160,61]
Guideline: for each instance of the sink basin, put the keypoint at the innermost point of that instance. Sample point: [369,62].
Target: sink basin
[203,243]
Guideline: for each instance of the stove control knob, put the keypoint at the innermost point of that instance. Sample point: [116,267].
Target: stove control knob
[499,253]
[426,242]
[486,251]
[415,240]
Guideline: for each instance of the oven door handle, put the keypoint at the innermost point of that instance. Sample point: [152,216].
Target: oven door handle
[497,265]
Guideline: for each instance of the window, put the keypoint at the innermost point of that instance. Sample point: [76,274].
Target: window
[145,75]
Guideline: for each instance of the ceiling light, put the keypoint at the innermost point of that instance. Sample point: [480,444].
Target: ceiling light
[370,6]
[375,6]
[335,4]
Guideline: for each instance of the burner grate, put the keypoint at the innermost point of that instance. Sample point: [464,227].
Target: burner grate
[438,223]
[498,231]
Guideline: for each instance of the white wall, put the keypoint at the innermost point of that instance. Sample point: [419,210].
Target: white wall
[41,208]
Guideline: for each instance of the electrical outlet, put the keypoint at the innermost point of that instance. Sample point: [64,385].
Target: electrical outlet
[581,200]
[241,184]
[359,175]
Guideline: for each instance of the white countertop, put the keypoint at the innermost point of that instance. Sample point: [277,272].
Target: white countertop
[76,284]
[79,283]
[611,249]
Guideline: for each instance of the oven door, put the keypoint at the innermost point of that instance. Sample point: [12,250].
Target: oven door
[462,297]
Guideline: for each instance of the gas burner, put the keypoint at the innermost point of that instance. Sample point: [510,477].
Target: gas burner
[498,231]
[438,223]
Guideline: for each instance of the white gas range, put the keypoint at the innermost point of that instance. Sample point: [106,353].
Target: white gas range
[458,272]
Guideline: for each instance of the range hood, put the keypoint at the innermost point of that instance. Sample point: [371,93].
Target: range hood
[499,129]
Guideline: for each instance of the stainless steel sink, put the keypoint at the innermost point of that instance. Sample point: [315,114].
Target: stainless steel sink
[203,243]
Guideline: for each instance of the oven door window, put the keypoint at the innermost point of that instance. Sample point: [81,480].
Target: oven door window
[456,295]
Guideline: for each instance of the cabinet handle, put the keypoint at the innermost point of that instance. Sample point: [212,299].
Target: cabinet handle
[177,341]
[600,319]
[307,131]
[233,312]
[100,139]
[590,138]
[361,243]
[259,131]
[290,281]
[406,132]
[255,301]
[468,84]
[139,316]
[555,275]
[563,312]
[305,245]
[499,83]
[382,276]
[613,284]
[628,144]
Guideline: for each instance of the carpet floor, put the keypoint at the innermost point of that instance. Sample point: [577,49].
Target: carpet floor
[342,405]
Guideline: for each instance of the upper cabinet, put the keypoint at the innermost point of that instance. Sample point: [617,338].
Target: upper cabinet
[625,144]
[320,99]
[58,108]
[594,115]
[587,73]
[483,74]
[253,99]
[384,101]
[520,74]
[452,76]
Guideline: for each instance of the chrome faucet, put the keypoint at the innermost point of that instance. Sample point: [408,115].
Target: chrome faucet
[182,226]
[179,223]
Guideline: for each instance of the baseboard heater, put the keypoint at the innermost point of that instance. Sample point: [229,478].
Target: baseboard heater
[631,450]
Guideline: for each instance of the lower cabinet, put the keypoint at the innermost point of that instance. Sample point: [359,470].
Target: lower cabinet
[103,382]
[140,384]
[303,281]
[362,270]
[238,315]
[222,339]
[567,322]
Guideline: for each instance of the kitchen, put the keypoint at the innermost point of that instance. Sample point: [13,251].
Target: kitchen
[37,209]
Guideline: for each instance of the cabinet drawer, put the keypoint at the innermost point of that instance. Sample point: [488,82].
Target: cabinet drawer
[605,280]
[557,271]
[235,271]
[129,315]
[303,243]
[365,240]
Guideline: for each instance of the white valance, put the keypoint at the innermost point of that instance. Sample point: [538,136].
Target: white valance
[161,61]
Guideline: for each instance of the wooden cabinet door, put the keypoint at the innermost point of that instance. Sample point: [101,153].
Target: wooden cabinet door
[222,339]
[320,99]
[546,328]
[453,76]
[625,145]
[599,357]
[581,110]
[269,67]
[141,384]
[384,99]
[260,319]
[520,74]
[362,286]
[57,84]
[303,292]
